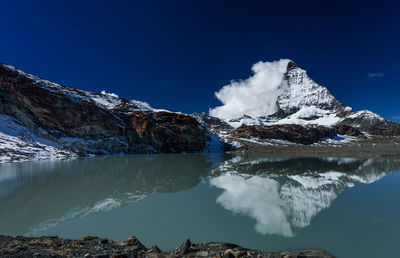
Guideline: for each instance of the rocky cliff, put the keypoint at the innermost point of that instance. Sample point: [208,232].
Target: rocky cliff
[45,115]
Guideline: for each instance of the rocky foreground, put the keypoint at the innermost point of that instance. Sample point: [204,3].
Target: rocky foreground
[90,246]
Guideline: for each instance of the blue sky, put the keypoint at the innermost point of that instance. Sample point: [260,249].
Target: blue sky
[176,54]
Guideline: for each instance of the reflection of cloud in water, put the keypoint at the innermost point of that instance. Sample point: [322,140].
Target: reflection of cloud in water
[256,197]
[283,203]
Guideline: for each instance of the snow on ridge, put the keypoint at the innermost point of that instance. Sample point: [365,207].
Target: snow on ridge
[103,99]
[146,106]
[109,94]
[301,117]
[307,115]
[366,114]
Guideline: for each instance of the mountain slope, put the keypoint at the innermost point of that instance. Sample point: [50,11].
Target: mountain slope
[82,122]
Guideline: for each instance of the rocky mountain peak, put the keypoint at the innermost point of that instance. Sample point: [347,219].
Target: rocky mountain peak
[300,100]
[302,91]
[295,99]
[291,65]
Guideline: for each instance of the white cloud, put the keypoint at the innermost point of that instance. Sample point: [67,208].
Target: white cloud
[255,96]
[375,75]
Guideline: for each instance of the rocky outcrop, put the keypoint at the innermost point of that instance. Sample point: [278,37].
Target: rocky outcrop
[165,132]
[86,122]
[91,246]
[210,121]
[302,91]
[293,133]
[307,134]
[343,129]
[372,123]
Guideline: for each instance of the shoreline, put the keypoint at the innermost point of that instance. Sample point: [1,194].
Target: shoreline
[91,246]
[375,147]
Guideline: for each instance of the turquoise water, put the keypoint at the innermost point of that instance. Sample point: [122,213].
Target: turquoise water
[348,207]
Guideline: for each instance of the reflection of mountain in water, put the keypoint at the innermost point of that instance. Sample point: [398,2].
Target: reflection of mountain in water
[38,195]
[283,195]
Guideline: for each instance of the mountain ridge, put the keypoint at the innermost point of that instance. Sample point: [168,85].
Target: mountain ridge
[82,122]
[40,119]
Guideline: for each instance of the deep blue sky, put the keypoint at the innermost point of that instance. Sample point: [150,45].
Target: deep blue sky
[176,54]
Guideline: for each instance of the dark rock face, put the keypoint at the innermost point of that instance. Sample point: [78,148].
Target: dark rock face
[346,130]
[293,133]
[210,121]
[165,132]
[135,243]
[75,120]
[374,126]
[184,248]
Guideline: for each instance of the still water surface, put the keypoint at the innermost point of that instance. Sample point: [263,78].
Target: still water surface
[349,207]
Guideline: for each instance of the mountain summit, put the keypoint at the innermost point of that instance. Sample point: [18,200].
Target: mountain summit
[294,98]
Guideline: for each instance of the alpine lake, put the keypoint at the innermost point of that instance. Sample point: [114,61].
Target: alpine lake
[349,207]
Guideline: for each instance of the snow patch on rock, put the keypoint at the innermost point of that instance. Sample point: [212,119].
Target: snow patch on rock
[18,143]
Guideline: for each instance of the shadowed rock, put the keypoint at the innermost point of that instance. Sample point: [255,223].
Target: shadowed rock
[292,133]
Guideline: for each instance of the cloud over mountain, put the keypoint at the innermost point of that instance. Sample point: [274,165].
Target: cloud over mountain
[254,96]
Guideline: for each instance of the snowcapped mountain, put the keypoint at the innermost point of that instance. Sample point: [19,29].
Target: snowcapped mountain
[42,119]
[302,93]
[280,95]
[300,101]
